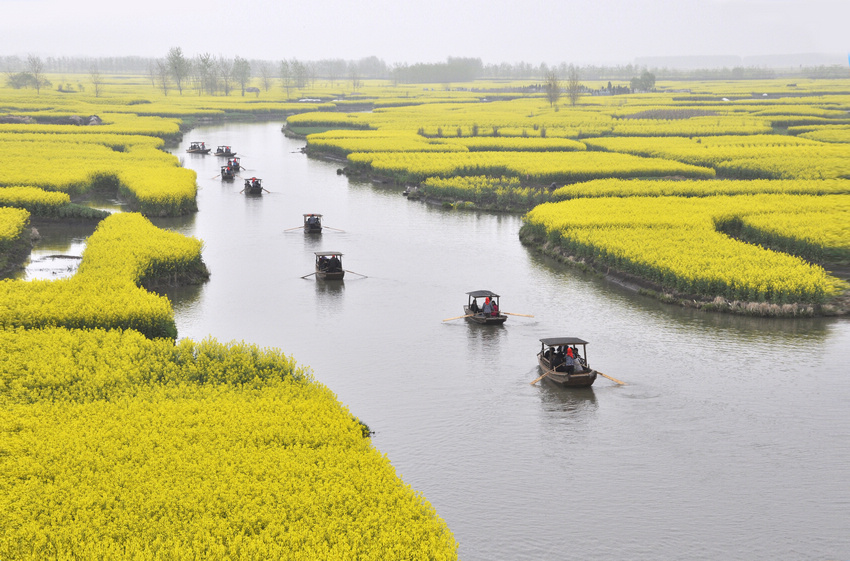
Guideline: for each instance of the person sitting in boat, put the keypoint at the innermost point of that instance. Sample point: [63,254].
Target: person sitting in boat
[570,363]
[474,306]
[255,183]
[323,263]
[488,307]
[334,264]
[495,311]
[556,359]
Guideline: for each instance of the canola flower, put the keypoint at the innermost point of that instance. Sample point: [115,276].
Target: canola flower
[74,163]
[141,448]
[613,187]
[492,192]
[675,242]
[125,251]
[535,166]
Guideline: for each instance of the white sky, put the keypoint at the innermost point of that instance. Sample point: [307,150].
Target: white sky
[534,31]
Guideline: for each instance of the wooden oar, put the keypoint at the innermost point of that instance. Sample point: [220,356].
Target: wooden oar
[329,228]
[458,317]
[266,190]
[353,273]
[296,228]
[541,377]
[305,276]
[523,315]
[610,378]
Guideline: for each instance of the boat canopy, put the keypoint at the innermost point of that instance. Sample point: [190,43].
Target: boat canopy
[483,294]
[559,341]
[326,253]
[312,214]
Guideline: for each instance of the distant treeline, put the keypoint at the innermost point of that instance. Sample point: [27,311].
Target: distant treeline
[453,70]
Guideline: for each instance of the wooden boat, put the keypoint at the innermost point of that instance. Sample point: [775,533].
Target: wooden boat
[476,312]
[197,148]
[253,186]
[235,164]
[224,151]
[329,265]
[227,173]
[553,358]
[312,223]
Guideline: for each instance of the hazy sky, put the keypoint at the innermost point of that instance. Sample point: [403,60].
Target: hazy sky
[535,31]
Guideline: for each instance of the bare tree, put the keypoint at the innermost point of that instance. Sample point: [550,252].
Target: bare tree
[207,72]
[573,85]
[552,87]
[225,73]
[354,76]
[287,76]
[35,67]
[152,73]
[266,75]
[162,76]
[179,66]
[96,79]
[241,72]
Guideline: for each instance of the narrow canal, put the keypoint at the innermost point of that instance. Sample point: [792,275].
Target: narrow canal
[731,439]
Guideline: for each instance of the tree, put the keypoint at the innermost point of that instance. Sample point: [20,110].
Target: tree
[300,73]
[207,74]
[96,79]
[225,73]
[152,73]
[35,67]
[645,82]
[241,72]
[573,85]
[162,76]
[354,76]
[266,75]
[287,77]
[552,87]
[179,66]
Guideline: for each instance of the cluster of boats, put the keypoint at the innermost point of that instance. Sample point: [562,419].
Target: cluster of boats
[253,185]
[562,359]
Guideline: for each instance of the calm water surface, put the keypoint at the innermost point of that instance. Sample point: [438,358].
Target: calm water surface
[731,439]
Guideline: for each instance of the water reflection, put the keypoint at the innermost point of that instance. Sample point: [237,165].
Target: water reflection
[569,402]
[333,288]
[56,251]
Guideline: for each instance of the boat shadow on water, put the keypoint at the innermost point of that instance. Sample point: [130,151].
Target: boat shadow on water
[334,287]
[556,398]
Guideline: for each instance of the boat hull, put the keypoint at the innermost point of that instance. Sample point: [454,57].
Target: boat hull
[581,378]
[482,319]
[325,275]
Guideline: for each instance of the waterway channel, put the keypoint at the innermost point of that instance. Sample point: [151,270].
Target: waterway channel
[731,438]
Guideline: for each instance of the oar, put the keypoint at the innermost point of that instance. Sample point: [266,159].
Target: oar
[353,273]
[329,228]
[458,317]
[266,190]
[295,228]
[610,378]
[541,377]
[305,276]
[523,315]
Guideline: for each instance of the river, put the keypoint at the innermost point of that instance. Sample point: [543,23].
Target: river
[731,438]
